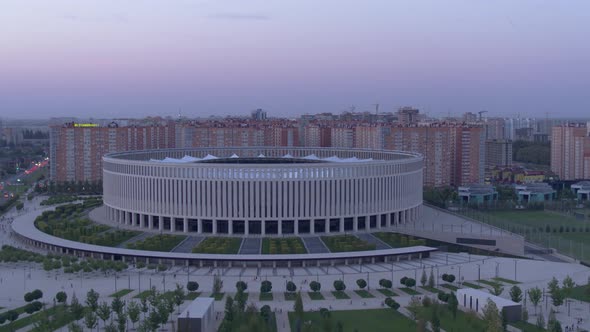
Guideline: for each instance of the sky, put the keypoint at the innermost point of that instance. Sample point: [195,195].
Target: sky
[129,58]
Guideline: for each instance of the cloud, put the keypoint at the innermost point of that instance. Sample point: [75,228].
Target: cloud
[239,17]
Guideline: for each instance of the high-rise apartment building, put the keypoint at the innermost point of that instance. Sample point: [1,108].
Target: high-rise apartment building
[570,151]
[498,153]
[407,115]
[468,153]
[76,149]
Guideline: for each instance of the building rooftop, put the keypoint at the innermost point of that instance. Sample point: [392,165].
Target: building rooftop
[537,188]
[198,308]
[477,188]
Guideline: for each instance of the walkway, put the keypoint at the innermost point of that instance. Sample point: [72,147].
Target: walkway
[315,245]
[251,246]
[188,244]
[137,238]
[372,239]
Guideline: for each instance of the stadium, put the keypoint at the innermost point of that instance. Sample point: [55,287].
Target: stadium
[262,191]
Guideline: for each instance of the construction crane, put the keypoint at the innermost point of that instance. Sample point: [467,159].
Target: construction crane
[480,114]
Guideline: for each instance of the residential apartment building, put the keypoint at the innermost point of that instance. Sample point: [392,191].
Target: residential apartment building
[498,153]
[570,151]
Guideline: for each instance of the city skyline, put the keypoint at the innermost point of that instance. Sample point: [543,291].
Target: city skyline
[113,59]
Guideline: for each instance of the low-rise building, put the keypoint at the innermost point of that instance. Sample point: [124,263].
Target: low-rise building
[535,192]
[476,300]
[477,194]
[582,190]
[198,316]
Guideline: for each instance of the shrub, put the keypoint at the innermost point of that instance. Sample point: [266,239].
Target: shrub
[339,285]
[426,301]
[392,303]
[385,283]
[266,287]
[361,283]
[240,285]
[315,286]
[192,286]
[403,280]
[291,287]
[443,297]
[410,282]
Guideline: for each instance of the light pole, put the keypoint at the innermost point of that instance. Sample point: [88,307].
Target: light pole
[515,270]
[478,273]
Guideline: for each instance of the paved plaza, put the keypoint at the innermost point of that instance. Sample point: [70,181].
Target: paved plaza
[19,278]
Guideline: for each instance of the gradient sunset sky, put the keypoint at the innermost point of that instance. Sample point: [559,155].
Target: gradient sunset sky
[115,58]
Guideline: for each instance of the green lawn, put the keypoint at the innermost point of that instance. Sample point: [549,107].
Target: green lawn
[316,296]
[409,291]
[164,242]
[472,285]
[219,245]
[506,281]
[396,240]
[373,320]
[143,294]
[490,283]
[340,295]
[265,297]
[191,296]
[345,243]
[281,246]
[365,294]
[290,296]
[32,319]
[431,289]
[581,293]
[527,327]
[449,286]
[387,292]
[121,293]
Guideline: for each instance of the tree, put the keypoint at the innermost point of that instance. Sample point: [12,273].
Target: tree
[241,285]
[453,304]
[92,299]
[265,312]
[76,308]
[516,294]
[104,312]
[229,311]
[315,286]
[431,279]
[217,284]
[339,285]
[410,282]
[557,295]
[12,315]
[413,307]
[385,283]
[90,320]
[117,305]
[497,290]
[122,321]
[110,328]
[567,286]
[392,303]
[541,321]
[266,286]
[492,317]
[291,287]
[361,283]
[423,278]
[133,310]
[178,296]
[435,320]
[192,286]
[535,296]
[553,325]
[74,327]
[241,300]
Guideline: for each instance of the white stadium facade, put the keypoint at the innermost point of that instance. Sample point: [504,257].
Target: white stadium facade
[263,191]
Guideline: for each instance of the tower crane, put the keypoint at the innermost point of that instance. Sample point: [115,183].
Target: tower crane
[480,114]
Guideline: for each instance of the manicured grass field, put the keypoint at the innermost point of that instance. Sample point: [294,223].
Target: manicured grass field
[316,296]
[65,318]
[265,297]
[527,327]
[163,242]
[409,291]
[580,293]
[387,292]
[121,293]
[191,296]
[344,243]
[472,285]
[431,289]
[287,245]
[340,295]
[396,240]
[374,320]
[490,283]
[449,286]
[219,245]
[290,296]
[364,294]
[506,281]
